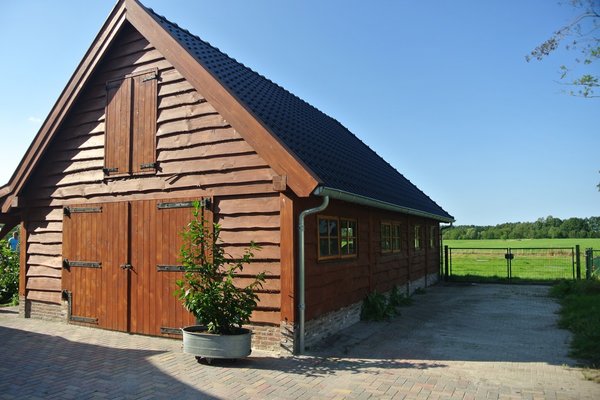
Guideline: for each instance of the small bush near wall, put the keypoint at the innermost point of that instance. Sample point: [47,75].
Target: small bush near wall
[9,275]
[379,307]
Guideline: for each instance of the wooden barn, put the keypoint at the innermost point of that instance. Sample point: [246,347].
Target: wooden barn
[153,118]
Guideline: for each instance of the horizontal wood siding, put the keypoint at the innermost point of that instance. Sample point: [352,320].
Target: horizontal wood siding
[255,218]
[198,154]
[332,284]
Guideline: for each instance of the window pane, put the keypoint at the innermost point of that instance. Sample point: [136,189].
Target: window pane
[386,237]
[324,247]
[417,237]
[333,228]
[351,247]
[322,227]
[396,244]
[333,247]
[352,229]
[344,230]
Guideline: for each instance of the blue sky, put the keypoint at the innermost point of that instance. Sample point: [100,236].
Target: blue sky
[439,89]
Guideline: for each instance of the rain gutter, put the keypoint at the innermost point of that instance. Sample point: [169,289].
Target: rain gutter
[367,201]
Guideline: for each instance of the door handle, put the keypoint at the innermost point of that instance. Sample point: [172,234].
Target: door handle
[126,266]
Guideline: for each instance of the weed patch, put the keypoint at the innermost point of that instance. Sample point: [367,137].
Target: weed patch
[379,307]
[580,313]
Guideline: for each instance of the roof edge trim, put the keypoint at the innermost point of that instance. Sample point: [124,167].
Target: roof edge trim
[368,201]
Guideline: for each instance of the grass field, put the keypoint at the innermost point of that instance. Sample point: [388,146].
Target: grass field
[516,243]
[552,259]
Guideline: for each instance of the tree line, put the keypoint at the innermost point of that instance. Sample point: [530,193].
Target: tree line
[543,228]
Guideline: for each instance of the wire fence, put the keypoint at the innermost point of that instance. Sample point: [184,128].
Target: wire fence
[543,265]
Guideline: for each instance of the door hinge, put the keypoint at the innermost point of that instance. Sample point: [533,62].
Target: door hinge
[84,264]
[204,203]
[85,320]
[126,266]
[170,331]
[150,77]
[148,166]
[170,268]
[72,210]
[178,204]
[108,171]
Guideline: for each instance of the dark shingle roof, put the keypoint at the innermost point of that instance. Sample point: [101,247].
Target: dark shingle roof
[339,159]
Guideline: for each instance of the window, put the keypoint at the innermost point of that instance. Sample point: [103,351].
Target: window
[337,238]
[348,237]
[391,237]
[417,237]
[432,238]
[130,136]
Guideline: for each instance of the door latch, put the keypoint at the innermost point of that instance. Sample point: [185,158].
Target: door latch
[126,266]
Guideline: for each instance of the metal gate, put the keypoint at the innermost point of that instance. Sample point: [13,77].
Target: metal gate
[592,263]
[535,265]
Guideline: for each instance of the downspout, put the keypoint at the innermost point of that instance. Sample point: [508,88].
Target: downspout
[301,268]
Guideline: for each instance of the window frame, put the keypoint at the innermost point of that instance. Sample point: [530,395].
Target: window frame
[395,236]
[339,237]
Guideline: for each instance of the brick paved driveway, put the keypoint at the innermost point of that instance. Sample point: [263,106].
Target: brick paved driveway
[455,342]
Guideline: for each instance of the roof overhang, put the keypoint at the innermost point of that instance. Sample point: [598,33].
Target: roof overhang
[367,201]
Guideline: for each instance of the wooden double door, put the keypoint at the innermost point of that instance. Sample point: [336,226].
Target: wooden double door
[121,261]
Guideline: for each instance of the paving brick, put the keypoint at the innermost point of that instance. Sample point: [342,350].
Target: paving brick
[53,360]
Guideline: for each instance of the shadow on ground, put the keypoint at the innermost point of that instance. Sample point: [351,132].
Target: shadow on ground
[312,366]
[41,366]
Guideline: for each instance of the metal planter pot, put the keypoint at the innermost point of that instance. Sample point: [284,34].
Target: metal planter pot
[198,342]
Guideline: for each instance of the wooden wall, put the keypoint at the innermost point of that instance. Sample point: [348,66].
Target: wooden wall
[198,154]
[332,284]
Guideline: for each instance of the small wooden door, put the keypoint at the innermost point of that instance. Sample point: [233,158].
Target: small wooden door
[155,244]
[95,248]
[122,262]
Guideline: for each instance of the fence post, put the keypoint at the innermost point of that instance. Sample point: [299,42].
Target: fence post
[509,258]
[578,261]
[589,259]
[446,268]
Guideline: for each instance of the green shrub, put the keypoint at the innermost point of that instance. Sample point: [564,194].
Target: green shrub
[378,307]
[207,289]
[9,275]
[398,299]
[375,307]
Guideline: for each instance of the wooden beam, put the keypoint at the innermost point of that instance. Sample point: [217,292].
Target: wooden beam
[288,270]
[23,260]
[280,183]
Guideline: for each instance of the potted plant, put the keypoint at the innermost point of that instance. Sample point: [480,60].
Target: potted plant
[208,291]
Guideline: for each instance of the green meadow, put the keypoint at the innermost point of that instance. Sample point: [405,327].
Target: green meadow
[533,259]
[520,243]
